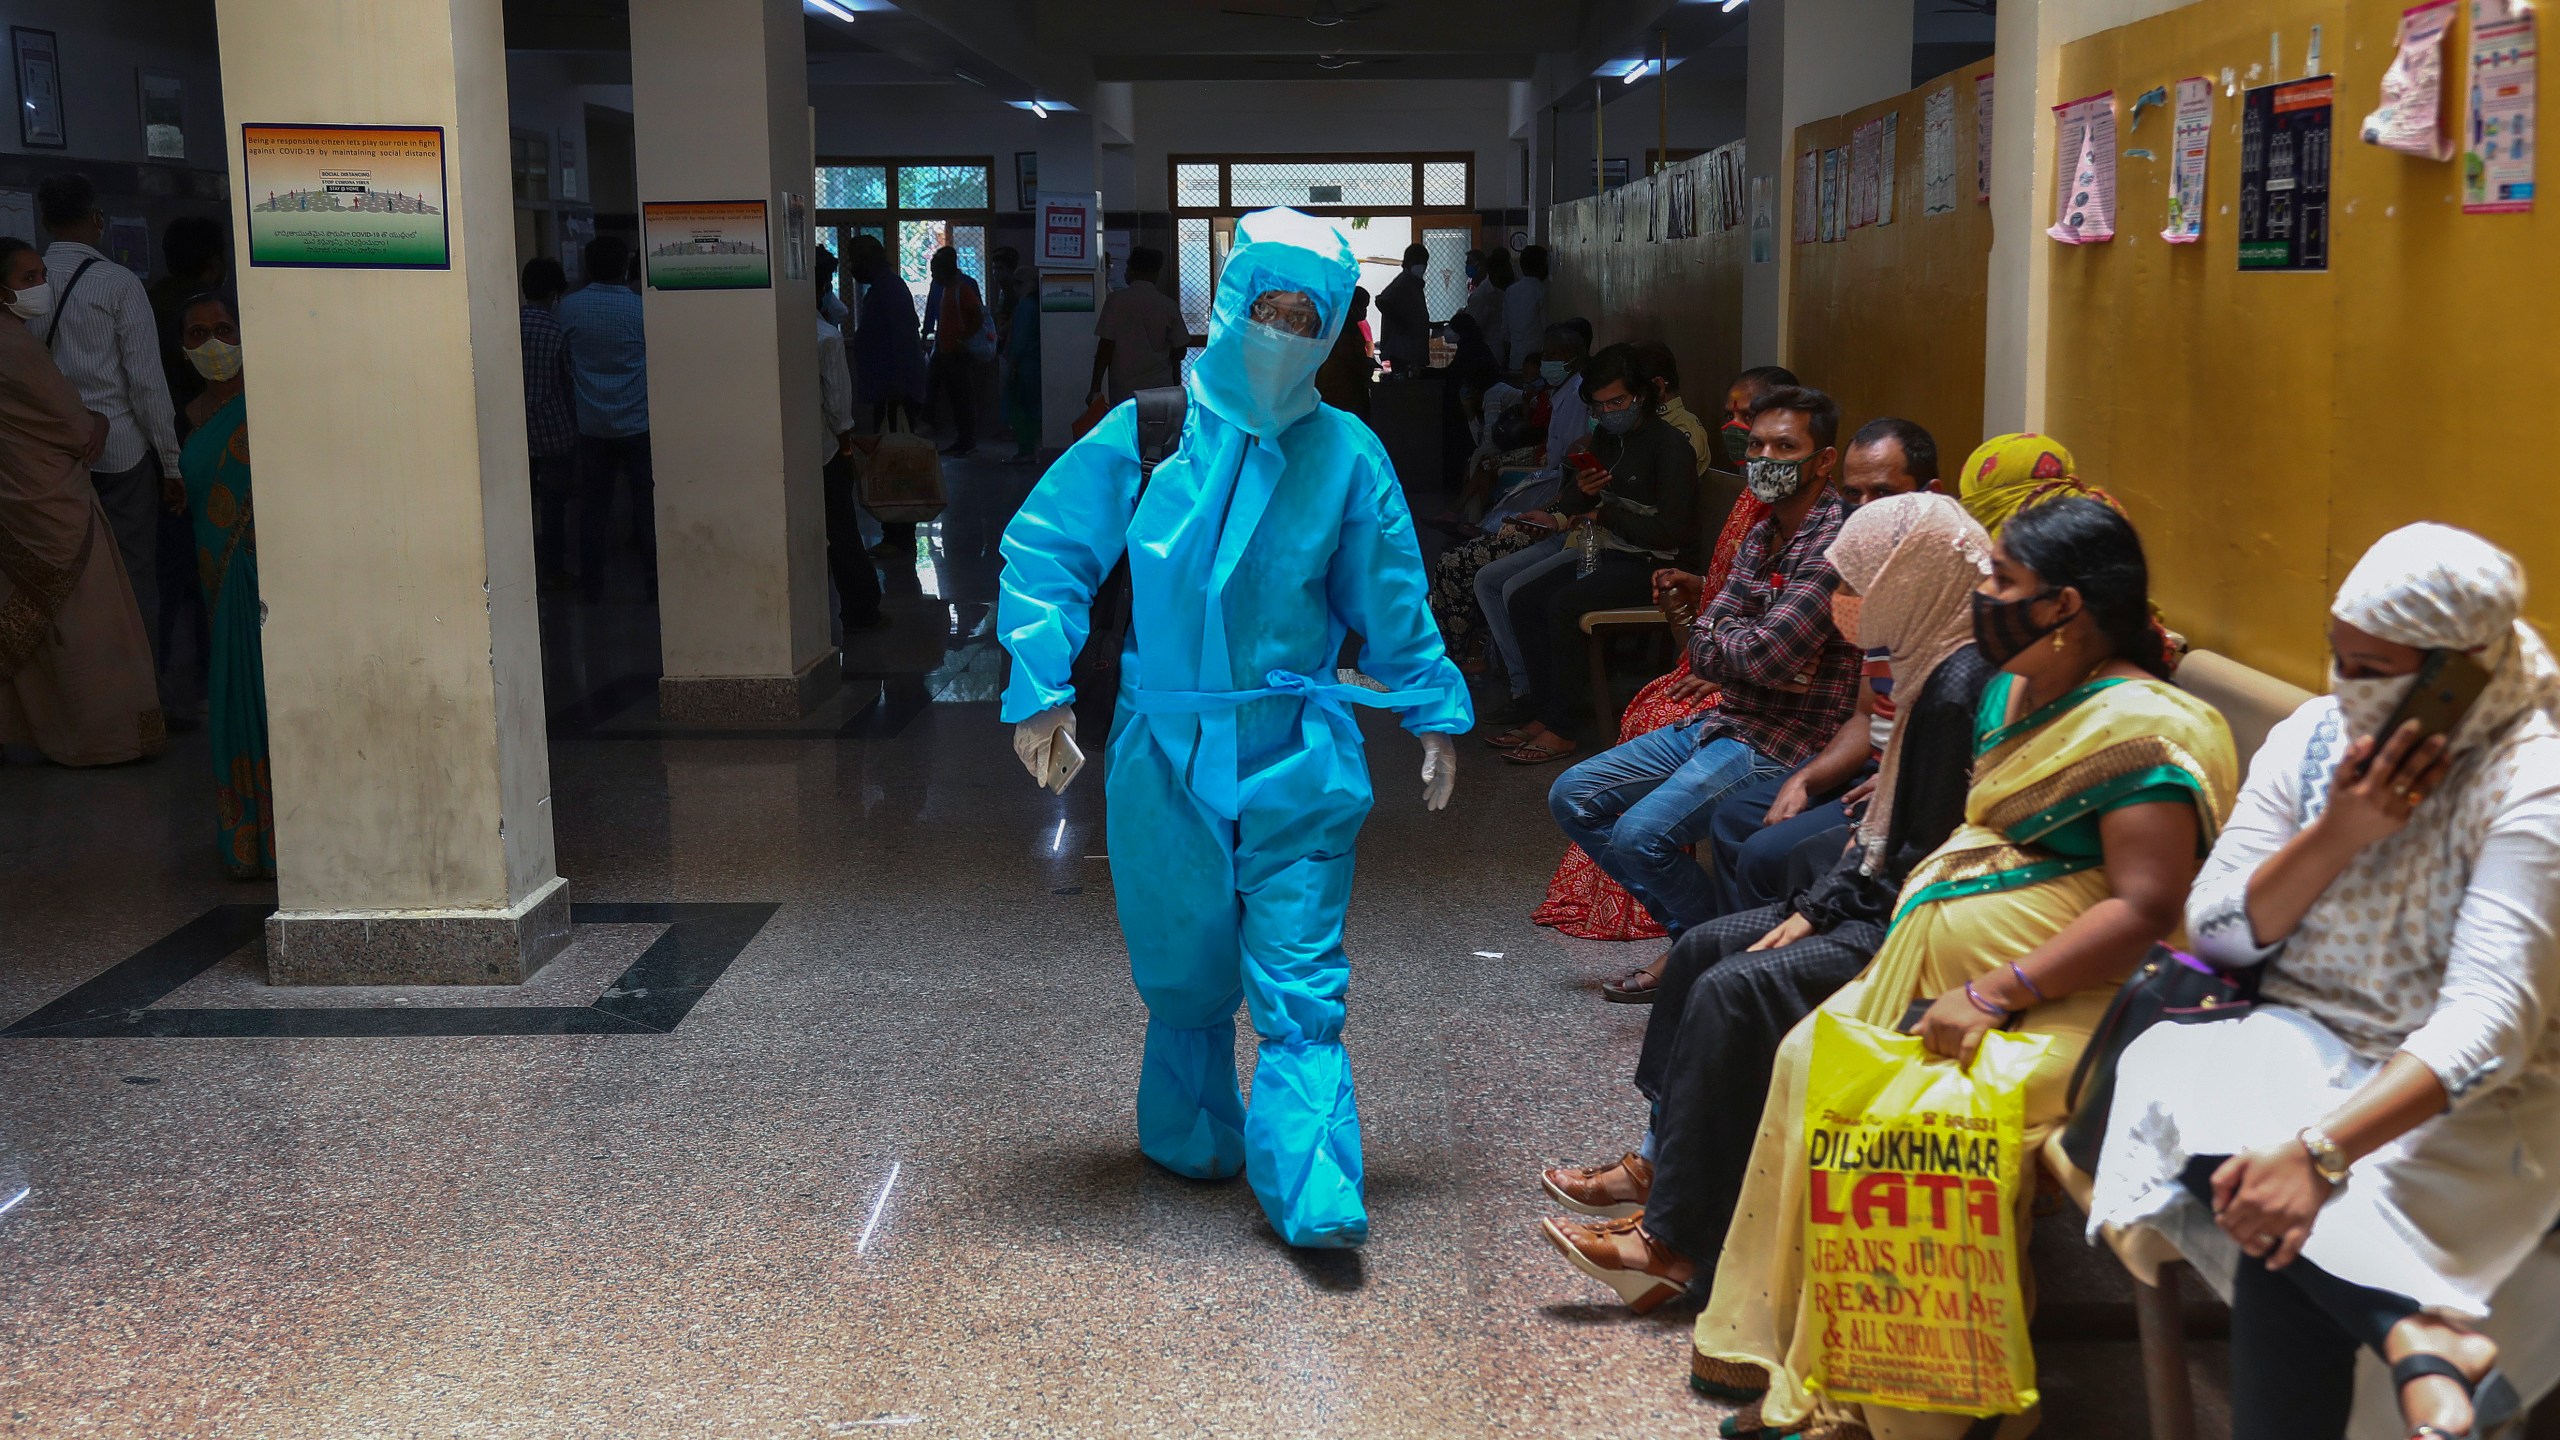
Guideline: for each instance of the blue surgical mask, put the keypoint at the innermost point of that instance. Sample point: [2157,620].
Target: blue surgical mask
[1262,379]
[1618,422]
[1554,372]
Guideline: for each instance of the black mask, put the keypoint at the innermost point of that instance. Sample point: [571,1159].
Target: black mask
[2003,629]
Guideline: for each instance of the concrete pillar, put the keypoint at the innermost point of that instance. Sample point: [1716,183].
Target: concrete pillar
[1069,162]
[720,102]
[2030,40]
[1809,60]
[395,534]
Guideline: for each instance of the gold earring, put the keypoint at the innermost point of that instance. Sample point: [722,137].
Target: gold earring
[2058,645]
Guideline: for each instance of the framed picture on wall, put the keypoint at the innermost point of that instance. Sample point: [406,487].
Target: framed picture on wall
[1026,179]
[39,88]
[164,114]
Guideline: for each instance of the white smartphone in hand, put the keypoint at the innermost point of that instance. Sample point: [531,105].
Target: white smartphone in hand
[1065,759]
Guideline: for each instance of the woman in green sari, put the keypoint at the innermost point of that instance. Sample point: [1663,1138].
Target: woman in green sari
[2097,788]
[216,465]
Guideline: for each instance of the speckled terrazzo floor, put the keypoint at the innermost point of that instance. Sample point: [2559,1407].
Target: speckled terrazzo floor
[882,1177]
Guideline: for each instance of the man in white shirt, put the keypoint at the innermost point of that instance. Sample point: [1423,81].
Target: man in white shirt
[104,339]
[1139,337]
[1524,308]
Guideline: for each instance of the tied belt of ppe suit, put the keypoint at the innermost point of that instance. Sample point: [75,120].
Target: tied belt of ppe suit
[1275,530]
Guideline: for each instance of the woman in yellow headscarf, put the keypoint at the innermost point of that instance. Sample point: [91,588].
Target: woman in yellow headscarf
[2008,473]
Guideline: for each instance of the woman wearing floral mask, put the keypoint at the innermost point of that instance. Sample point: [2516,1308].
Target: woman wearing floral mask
[2367,1157]
[216,466]
[75,670]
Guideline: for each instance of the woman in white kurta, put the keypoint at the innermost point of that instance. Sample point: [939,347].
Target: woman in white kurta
[2410,1030]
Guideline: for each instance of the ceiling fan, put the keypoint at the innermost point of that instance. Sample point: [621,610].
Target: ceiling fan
[1323,14]
[1331,62]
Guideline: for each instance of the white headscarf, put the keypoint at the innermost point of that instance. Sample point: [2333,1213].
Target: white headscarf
[2438,588]
[2370,955]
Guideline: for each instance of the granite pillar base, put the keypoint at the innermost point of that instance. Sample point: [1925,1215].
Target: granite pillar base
[722,699]
[419,947]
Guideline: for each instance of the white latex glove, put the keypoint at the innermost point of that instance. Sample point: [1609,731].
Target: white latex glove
[1035,742]
[1439,770]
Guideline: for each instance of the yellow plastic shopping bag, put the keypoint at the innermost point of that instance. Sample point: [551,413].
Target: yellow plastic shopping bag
[1911,1252]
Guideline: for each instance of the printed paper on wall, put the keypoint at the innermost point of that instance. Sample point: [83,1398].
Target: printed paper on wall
[2190,140]
[1808,198]
[2497,159]
[2284,175]
[1938,152]
[2085,188]
[1884,168]
[1982,138]
[2411,116]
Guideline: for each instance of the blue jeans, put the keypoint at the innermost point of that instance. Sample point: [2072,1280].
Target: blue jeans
[1633,808]
[1751,856]
[1494,584]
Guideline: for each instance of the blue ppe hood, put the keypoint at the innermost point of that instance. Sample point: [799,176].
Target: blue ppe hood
[1259,379]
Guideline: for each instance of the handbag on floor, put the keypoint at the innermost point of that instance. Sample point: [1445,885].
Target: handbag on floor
[902,478]
[2169,986]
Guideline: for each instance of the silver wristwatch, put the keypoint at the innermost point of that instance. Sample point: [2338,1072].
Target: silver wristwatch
[2326,1157]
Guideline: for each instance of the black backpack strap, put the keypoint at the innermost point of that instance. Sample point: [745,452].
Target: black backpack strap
[62,301]
[1160,413]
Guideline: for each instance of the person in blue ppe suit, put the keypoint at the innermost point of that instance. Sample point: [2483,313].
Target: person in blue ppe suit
[1235,778]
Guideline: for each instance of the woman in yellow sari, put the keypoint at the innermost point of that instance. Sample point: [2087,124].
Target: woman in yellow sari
[2097,788]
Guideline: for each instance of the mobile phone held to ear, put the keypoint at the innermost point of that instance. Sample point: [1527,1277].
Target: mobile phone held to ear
[2449,683]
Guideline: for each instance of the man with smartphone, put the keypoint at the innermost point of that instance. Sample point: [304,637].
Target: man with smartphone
[1630,508]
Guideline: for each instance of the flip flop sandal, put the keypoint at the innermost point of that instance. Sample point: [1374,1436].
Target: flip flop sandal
[2497,1411]
[1511,739]
[1539,754]
[1622,991]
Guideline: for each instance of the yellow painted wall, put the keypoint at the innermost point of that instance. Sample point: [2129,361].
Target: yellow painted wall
[2263,429]
[1685,293]
[1890,320]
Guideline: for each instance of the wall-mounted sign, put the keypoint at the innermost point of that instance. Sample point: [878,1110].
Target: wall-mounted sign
[1070,293]
[706,245]
[2497,152]
[2284,175]
[346,197]
[1066,229]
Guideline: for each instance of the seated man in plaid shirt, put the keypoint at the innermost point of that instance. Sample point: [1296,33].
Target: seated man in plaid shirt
[1768,644]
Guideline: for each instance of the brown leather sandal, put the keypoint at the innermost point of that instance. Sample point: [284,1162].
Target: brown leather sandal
[1592,1248]
[1590,1190]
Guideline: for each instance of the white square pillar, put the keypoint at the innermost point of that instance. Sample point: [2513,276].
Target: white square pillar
[394,524]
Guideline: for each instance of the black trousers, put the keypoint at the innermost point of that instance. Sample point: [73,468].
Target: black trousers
[857,584]
[1708,1049]
[602,459]
[2294,1334]
[954,377]
[554,481]
[1546,614]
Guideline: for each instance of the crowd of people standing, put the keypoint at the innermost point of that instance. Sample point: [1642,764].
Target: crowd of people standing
[128,543]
